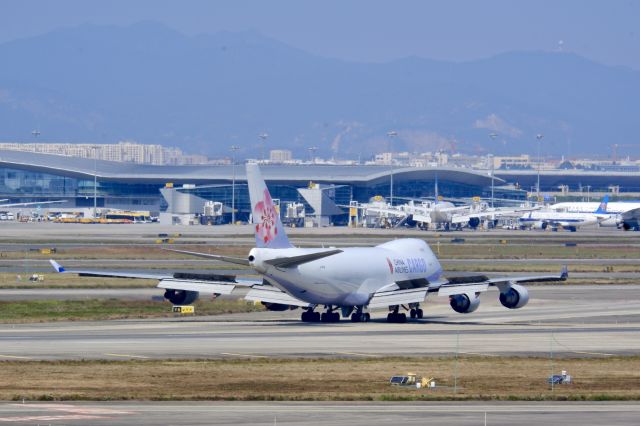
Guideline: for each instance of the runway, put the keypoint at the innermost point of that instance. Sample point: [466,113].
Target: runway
[321,413]
[567,320]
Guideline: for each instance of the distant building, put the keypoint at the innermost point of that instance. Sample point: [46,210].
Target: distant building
[124,151]
[280,156]
[519,162]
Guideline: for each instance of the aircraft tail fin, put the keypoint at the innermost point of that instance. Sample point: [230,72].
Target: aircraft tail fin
[602,208]
[268,229]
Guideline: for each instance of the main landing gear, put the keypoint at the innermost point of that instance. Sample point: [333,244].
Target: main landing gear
[400,317]
[310,316]
[359,316]
[395,316]
[416,313]
[329,316]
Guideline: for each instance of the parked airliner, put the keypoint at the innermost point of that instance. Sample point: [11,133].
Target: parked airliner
[570,220]
[397,275]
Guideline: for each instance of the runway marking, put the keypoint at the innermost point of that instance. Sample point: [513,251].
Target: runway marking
[247,355]
[15,357]
[477,353]
[72,413]
[358,354]
[128,356]
[23,419]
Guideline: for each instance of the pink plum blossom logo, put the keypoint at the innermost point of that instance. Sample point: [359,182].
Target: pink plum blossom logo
[266,226]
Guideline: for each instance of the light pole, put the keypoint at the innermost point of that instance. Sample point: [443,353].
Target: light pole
[539,137]
[95,181]
[233,149]
[391,134]
[493,137]
[263,137]
[312,154]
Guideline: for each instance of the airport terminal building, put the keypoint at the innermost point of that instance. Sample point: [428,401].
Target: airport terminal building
[29,177]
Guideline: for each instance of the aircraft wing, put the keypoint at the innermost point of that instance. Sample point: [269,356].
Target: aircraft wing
[490,214]
[384,299]
[114,274]
[33,203]
[562,276]
[200,282]
[269,294]
[380,210]
[482,284]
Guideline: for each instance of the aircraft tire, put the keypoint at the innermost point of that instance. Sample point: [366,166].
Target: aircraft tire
[419,313]
[397,318]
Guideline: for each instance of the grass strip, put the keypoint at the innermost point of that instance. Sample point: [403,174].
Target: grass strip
[106,309]
[478,378]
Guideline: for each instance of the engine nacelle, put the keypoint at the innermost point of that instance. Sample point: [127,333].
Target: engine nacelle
[613,221]
[181,297]
[474,222]
[539,225]
[278,307]
[515,297]
[463,303]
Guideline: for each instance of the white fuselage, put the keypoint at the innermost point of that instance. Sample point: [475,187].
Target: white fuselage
[351,277]
[589,207]
[565,219]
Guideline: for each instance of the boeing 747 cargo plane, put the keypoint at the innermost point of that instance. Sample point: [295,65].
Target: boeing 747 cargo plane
[348,282]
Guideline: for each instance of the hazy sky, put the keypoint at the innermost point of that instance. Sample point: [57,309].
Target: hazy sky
[369,30]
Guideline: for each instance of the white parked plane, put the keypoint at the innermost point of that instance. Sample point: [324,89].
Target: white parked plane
[396,275]
[570,220]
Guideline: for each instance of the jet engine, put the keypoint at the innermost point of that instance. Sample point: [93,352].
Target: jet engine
[463,303]
[613,221]
[474,222]
[181,297]
[539,225]
[278,306]
[515,297]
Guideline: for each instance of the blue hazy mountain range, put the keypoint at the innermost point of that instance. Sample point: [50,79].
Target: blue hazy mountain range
[149,83]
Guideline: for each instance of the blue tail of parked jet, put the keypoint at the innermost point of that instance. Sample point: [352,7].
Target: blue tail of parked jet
[602,208]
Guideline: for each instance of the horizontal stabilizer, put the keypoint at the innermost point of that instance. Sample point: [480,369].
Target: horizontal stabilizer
[270,294]
[234,260]
[290,262]
[384,299]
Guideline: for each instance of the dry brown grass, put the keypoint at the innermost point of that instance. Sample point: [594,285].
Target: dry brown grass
[318,379]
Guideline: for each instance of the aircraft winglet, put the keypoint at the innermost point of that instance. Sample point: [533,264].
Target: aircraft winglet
[58,267]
